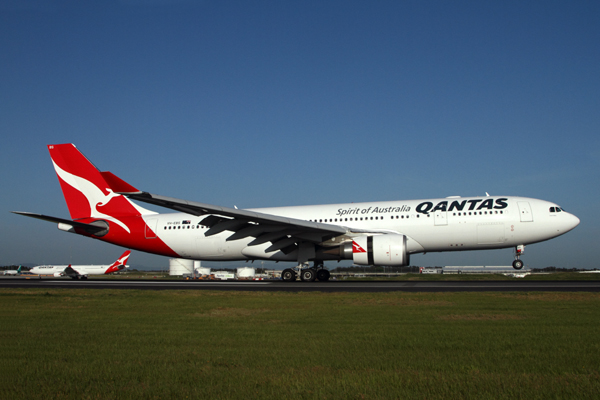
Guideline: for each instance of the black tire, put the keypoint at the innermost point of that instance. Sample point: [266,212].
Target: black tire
[518,264]
[308,275]
[323,275]
[288,275]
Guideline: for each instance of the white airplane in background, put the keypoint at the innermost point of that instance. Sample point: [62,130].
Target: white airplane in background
[383,233]
[82,271]
[13,271]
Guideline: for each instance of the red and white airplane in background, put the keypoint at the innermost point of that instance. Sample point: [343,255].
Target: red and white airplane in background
[377,233]
[82,271]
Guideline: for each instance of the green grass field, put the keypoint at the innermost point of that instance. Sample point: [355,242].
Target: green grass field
[121,344]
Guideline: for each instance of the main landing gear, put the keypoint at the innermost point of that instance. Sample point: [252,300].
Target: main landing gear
[306,273]
[519,250]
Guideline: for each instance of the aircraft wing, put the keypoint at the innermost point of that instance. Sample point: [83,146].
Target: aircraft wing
[284,233]
[69,271]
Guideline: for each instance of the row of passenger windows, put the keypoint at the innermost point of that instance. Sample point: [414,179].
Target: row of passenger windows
[184,227]
[481,213]
[359,219]
[401,216]
[363,218]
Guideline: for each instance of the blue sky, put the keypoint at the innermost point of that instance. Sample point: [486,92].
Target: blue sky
[288,103]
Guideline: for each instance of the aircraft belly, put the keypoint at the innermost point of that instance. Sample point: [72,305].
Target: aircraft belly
[532,232]
[461,236]
[444,238]
[491,233]
[258,252]
[217,248]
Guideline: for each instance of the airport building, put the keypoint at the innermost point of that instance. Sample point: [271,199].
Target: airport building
[183,267]
[246,273]
[484,269]
[431,270]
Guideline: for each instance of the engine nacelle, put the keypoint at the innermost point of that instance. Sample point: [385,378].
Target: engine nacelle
[57,274]
[380,250]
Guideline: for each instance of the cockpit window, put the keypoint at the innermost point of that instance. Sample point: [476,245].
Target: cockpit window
[556,209]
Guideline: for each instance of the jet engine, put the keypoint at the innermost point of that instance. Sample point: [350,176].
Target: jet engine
[57,274]
[389,249]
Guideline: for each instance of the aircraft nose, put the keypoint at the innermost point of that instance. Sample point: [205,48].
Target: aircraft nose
[571,222]
[576,221]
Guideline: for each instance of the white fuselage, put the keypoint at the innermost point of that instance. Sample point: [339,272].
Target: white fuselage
[59,269]
[11,272]
[434,225]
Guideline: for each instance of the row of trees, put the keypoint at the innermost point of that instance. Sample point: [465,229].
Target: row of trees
[13,267]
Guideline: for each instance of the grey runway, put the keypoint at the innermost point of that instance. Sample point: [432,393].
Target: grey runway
[332,286]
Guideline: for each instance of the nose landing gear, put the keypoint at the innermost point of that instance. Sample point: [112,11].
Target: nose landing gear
[519,250]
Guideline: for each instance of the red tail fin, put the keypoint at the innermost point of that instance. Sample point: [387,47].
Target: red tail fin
[85,189]
[119,264]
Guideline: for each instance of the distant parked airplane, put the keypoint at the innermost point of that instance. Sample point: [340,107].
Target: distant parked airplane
[383,233]
[13,271]
[82,271]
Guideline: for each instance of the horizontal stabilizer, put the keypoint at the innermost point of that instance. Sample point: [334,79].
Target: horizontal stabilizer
[97,230]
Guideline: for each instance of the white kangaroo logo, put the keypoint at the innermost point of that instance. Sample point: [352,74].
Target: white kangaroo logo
[122,260]
[92,193]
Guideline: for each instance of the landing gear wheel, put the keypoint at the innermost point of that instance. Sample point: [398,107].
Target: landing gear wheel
[288,275]
[517,264]
[323,275]
[308,275]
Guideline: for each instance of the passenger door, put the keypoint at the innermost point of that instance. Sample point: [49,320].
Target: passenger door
[525,211]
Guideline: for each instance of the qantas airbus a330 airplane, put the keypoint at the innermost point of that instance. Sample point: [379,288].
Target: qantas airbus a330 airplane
[82,271]
[382,233]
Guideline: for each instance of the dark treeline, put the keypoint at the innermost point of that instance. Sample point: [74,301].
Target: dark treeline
[15,267]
